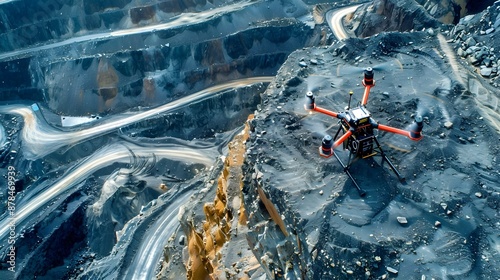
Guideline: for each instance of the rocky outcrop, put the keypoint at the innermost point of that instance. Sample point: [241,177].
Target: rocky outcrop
[107,80]
[476,38]
[53,240]
[25,23]
[393,15]
[218,248]
[450,11]
[154,67]
[205,119]
[399,15]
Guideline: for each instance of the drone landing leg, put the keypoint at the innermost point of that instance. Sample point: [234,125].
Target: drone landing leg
[337,134]
[346,170]
[384,157]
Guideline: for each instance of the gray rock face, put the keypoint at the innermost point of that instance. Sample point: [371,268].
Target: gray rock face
[489,31]
[26,23]
[470,42]
[394,15]
[476,38]
[178,69]
[113,73]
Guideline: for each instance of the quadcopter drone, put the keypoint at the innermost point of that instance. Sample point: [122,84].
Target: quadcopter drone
[357,128]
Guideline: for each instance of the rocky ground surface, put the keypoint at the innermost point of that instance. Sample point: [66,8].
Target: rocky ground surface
[305,218]
[441,223]
[470,25]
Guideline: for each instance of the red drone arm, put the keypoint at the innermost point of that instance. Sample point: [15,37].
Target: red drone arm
[366,94]
[342,139]
[414,133]
[325,111]
[310,105]
[394,130]
[327,145]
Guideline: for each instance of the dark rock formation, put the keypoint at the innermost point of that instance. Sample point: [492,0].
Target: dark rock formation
[393,15]
[25,23]
[111,74]
[170,71]
[57,237]
[398,15]
[476,38]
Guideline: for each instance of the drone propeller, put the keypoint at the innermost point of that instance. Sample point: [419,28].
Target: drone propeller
[422,110]
[430,105]
[316,126]
[316,82]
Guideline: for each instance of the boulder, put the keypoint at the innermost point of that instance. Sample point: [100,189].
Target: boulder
[486,71]
[470,41]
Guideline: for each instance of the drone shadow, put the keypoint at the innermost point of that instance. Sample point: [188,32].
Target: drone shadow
[375,177]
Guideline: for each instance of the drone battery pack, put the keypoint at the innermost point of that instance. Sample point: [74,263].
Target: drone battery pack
[359,117]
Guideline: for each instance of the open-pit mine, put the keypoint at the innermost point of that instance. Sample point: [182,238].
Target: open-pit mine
[168,139]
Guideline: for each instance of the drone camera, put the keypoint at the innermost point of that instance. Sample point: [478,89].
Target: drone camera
[326,146]
[416,128]
[309,105]
[368,77]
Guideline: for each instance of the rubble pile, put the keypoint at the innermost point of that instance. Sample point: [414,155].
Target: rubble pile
[477,42]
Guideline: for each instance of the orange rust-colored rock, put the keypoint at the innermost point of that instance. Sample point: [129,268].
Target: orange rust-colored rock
[196,259]
[205,246]
[138,14]
[107,80]
[273,212]
[149,85]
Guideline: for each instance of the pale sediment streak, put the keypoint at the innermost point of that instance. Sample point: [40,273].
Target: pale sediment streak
[6,1]
[154,240]
[3,139]
[182,20]
[100,159]
[40,139]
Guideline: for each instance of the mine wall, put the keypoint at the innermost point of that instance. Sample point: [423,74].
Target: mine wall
[158,74]
[397,15]
[393,15]
[224,112]
[96,58]
[25,24]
